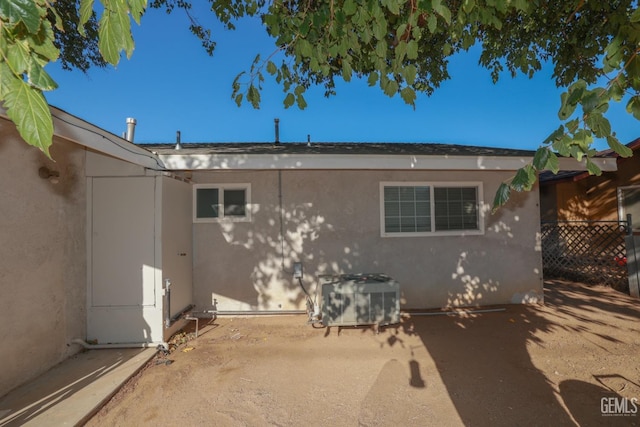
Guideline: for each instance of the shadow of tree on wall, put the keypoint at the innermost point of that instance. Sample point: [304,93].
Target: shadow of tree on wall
[472,276]
[331,231]
[293,230]
[284,230]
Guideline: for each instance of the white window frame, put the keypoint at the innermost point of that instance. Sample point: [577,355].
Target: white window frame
[221,189]
[432,185]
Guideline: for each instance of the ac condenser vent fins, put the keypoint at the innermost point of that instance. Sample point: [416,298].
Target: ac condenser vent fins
[360,299]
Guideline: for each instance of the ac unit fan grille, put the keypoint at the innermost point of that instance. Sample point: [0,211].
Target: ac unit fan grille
[348,301]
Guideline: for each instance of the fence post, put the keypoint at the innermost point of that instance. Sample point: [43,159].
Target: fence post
[632,242]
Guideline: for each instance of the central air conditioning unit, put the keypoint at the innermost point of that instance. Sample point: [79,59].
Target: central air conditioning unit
[360,299]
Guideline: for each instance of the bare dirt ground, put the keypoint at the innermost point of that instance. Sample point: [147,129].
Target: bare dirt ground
[573,361]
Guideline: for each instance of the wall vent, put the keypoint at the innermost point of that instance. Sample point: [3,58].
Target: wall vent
[360,299]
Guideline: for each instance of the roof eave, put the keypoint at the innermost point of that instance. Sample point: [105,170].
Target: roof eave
[76,130]
[83,133]
[360,162]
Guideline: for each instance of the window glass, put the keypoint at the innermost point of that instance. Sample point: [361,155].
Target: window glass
[207,203]
[217,202]
[234,202]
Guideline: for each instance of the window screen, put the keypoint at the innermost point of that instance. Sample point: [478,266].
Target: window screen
[426,208]
[456,208]
[407,209]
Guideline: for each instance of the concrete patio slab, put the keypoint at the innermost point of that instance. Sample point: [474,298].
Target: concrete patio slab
[71,392]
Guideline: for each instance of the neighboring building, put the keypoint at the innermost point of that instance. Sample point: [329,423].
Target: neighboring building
[111,242]
[576,195]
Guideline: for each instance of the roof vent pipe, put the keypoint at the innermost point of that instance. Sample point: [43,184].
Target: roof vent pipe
[178,145]
[308,140]
[131,129]
[277,124]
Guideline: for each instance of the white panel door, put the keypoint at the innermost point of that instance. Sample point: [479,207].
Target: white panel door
[177,242]
[123,242]
[122,278]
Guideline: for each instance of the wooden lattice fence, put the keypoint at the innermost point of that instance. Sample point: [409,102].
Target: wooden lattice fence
[591,252]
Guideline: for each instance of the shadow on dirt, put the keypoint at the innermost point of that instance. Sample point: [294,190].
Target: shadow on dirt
[491,379]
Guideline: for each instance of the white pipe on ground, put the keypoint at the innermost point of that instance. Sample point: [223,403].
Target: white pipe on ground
[447,313]
[254,313]
[86,345]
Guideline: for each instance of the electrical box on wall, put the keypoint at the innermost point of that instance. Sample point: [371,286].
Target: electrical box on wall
[297,270]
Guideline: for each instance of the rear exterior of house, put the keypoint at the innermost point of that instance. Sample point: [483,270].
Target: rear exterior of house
[112,242]
[417,215]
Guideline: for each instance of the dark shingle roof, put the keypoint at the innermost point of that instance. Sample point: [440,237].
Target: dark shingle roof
[422,149]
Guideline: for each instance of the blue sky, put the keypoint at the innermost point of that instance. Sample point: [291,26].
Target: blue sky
[171,84]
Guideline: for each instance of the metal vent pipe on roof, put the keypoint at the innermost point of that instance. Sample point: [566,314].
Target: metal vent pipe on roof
[277,125]
[131,129]
[178,145]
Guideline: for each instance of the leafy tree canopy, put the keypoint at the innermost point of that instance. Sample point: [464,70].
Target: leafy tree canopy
[400,46]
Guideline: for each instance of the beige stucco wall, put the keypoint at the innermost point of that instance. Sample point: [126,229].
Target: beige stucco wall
[331,223]
[42,257]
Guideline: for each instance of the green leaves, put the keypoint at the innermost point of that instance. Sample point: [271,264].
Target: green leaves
[26,43]
[408,95]
[28,12]
[598,124]
[412,49]
[27,46]
[524,179]
[401,47]
[545,159]
[619,148]
[570,99]
[253,96]
[389,86]
[501,197]
[137,8]
[633,106]
[115,33]
[441,10]
[27,108]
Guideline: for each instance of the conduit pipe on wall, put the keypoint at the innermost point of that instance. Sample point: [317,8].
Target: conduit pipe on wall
[167,290]
[164,345]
